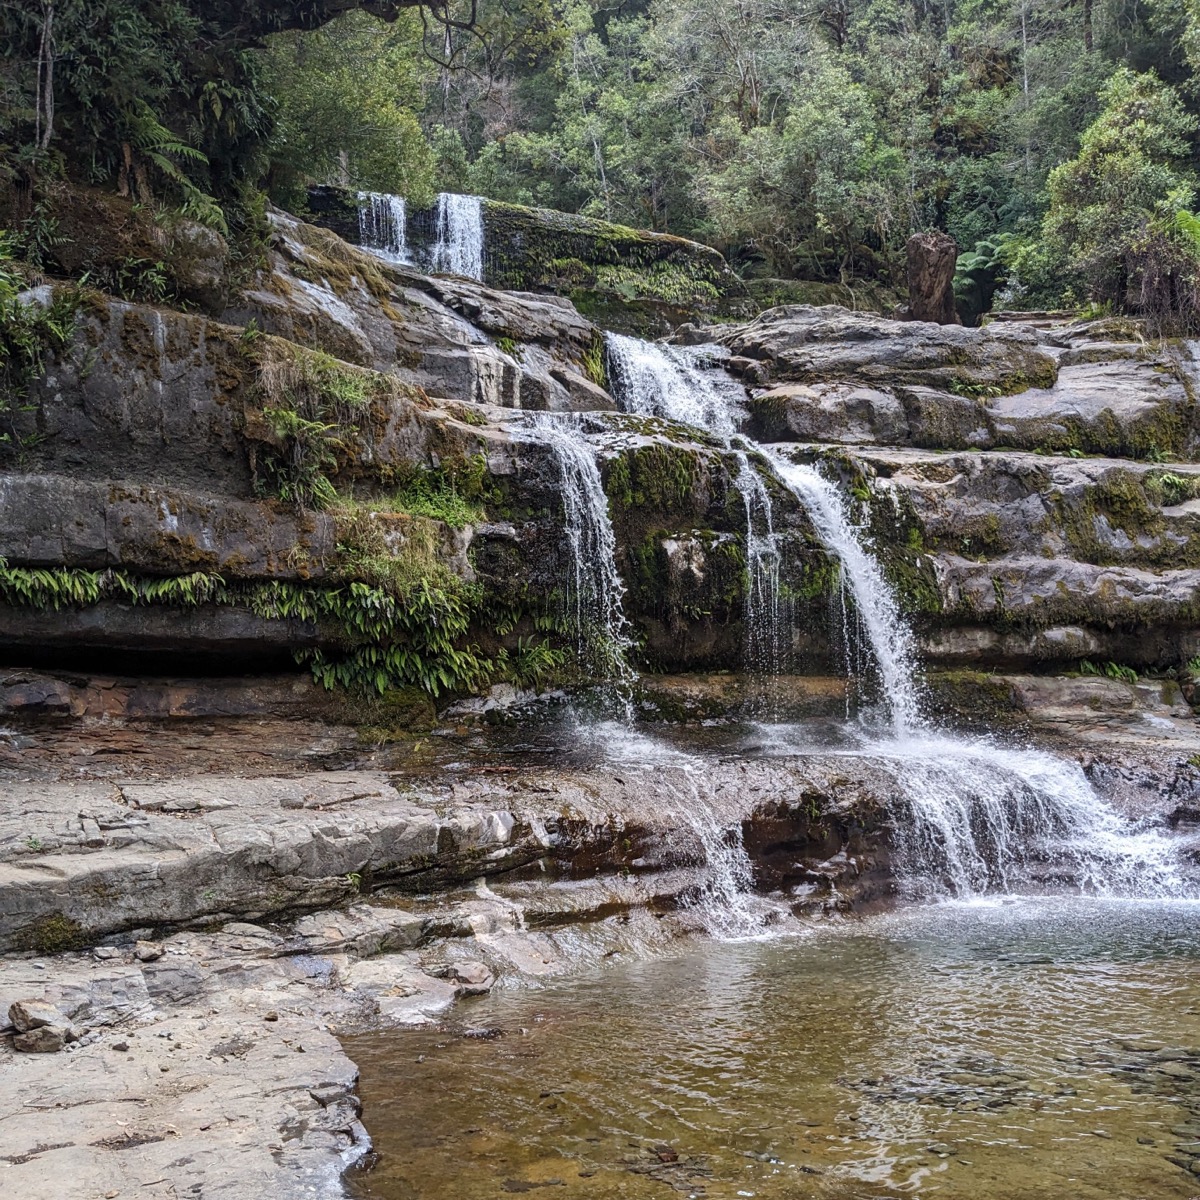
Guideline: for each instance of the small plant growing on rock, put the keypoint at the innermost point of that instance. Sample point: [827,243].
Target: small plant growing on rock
[311,409]
[1109,670]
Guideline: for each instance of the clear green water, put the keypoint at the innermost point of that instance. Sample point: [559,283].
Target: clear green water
[1016,1049]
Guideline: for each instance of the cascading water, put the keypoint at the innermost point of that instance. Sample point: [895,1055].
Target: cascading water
[459,246]
[594,589]
[980,817]
[973,817]
[653,380]
[383,226]
[595,599]
[985,818]
[889,637]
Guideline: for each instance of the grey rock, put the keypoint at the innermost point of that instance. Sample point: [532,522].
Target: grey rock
[802,344]
[27,1015]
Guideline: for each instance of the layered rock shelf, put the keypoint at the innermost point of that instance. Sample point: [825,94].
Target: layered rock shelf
[292,609]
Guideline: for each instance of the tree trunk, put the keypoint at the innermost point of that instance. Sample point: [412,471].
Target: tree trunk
[931,259]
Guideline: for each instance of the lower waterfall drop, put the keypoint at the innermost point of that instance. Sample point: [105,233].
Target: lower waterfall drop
[976,817]
[459,246]
[383,226]
[972,817]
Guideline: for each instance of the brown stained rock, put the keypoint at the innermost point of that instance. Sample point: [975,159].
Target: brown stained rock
[931,259]
[148,951]
[46,1039]
[28,1015]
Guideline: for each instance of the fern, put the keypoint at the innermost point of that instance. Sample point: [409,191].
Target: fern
[155,142]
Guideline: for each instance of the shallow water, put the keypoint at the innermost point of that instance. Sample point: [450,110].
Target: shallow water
[1006,1049]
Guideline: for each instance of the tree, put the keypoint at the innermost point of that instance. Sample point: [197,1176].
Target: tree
[349,98]
[1119,224]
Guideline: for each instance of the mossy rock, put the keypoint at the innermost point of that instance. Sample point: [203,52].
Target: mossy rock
[51,934]
[863,297]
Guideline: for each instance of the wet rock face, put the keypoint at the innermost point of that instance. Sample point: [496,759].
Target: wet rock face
[1030,558]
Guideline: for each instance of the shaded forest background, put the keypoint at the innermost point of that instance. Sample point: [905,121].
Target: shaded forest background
[1055,140]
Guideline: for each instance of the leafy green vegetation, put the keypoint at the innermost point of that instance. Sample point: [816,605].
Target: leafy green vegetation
[30,330]
[1109,670]
[1056,143]
[312,410]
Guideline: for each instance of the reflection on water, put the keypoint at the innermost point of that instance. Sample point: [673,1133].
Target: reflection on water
[1014,1049]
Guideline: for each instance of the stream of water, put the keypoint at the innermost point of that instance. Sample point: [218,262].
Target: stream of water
[459,246]
[972,817]
[678,384]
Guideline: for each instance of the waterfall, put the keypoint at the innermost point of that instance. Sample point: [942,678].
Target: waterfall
[975,817]
[970,817]
[383,226]
[653,380]
[725,900]
[459,246]
[889,637]
[594,589]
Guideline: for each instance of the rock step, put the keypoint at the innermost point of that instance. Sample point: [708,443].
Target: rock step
[831,375]
[1010,559]
[85,860]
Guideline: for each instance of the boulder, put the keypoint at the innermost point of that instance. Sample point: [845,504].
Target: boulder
[931,260]
[800,344]
[46,1039]
[27,1015]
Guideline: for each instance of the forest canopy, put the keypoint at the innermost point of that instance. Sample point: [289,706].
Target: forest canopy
[1055,140]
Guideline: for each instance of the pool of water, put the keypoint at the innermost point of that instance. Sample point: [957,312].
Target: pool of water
[1007,1049]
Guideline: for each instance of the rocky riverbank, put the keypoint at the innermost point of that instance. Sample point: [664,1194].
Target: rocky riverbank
[190,942]
[212,864]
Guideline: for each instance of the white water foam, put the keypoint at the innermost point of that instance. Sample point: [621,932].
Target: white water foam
[383,226]
[459,246]
[981,818]
[654,380]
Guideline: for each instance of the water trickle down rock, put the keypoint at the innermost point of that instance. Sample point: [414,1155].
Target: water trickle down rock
[595,593]
[654,380]
[459,246]
[383,226]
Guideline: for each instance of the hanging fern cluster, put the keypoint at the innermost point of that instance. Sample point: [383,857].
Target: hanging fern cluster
[375,640]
